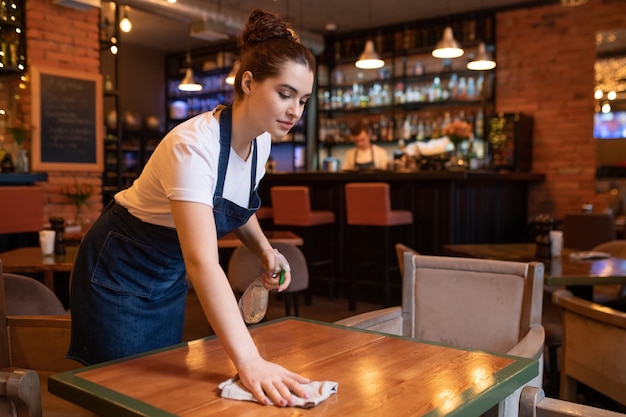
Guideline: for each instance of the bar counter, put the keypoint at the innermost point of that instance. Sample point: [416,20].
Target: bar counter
[449,207]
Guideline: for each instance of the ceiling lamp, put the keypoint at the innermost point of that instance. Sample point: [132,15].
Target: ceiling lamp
[481,61]
[369,59]
[125,24]
[448,47]
[572,3]
[189,83]
[230,78]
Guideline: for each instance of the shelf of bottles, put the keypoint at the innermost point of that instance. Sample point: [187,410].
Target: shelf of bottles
[12,40]
[210,68]
[135,151]
[183,105]
[414,95]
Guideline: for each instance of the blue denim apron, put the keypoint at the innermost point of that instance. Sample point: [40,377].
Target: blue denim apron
[129,285]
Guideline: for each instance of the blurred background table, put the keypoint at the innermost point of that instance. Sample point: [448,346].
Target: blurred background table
[579,276]
[284,236]
[29,260]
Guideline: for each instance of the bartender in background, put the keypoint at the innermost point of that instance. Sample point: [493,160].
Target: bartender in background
[364,155]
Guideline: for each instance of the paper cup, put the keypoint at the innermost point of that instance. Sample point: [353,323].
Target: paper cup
[556,243]
[46,242]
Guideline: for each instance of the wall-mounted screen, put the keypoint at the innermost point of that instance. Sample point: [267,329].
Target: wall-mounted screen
[611,125]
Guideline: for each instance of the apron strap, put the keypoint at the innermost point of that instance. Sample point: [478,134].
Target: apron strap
[226,123]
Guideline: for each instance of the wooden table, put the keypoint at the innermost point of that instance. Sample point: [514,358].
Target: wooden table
[30,260]
[284,236]
[578,275]
[378,375]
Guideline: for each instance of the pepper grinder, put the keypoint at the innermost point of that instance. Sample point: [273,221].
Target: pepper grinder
[59,241]
[543,224]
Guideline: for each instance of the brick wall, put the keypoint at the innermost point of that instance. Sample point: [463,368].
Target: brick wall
[545,59]
[67,39]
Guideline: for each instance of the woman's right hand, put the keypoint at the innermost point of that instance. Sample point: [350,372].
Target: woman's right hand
[271,383]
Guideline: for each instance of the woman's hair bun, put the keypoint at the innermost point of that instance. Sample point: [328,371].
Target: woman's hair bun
[263,25]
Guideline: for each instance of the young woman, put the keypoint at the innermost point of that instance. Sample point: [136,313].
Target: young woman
[129,282]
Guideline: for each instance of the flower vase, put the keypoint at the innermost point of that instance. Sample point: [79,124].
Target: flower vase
[457,160]
[78,220]
[21,160]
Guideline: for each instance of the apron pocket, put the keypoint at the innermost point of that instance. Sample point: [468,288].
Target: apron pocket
[131,268]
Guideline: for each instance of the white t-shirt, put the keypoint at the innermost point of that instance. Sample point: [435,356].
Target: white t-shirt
[184,167]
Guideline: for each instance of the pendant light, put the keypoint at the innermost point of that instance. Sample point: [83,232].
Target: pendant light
[481,61]
[369,59]
[447,47]
[189,83]
[126,25]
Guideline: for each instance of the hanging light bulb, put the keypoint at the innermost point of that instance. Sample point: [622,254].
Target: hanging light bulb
[230,78]
[113,45]
[189,83]
[447,47]
[126,25]
[369,59]
[482,61]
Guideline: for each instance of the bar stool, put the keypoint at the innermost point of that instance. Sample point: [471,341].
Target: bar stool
[265,216]
[292,207]
[264,213]
[369,204]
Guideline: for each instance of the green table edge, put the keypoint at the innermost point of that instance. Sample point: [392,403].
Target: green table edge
[86,394]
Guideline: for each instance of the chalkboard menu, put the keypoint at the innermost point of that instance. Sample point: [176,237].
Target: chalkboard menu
[67,121]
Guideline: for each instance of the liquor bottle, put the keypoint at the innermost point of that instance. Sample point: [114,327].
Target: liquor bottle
[479,125]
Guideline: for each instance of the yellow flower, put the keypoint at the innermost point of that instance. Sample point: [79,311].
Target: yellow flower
[78,193]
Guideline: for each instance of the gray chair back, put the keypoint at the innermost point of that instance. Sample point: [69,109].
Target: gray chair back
[484,304]
[27,296]
[244,267]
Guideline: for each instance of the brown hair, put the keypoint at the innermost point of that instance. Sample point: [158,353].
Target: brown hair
[360,126]
[267,43]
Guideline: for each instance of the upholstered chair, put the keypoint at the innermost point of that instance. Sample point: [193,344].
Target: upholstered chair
[534,403]
[476,303]
[244,267]
[594,337]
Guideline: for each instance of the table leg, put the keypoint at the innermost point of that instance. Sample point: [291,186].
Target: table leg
[48,279]
[583,291]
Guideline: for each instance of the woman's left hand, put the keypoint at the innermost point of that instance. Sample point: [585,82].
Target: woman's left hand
[274,261]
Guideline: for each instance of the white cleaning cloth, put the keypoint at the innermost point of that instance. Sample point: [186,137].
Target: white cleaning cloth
[318,391]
